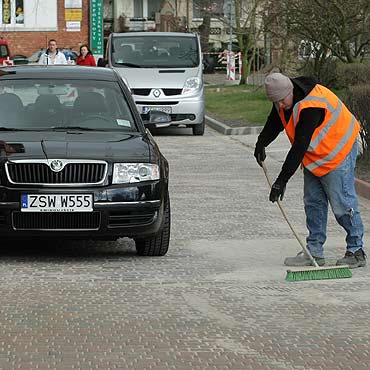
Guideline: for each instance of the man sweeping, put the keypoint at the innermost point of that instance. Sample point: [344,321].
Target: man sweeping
[323,135]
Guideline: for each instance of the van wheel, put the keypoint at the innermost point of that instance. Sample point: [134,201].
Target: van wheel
[158,244]
[199,129]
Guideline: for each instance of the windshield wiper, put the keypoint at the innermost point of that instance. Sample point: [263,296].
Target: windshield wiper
[128,64]
[74,128]
[12,129]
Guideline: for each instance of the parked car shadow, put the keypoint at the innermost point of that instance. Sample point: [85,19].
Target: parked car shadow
[62,250]
[171,131]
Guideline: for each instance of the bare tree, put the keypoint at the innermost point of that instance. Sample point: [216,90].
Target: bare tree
[250,20]
[205,10]
[340,27]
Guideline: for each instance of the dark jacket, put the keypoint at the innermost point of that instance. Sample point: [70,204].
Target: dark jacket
[309,120]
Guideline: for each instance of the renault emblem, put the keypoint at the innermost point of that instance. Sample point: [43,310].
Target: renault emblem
[156,93]
[56,165]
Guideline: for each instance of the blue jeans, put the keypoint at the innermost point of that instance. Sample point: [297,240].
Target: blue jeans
[337,188]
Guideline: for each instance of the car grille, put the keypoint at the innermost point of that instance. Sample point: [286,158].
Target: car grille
[142,102]
[146,92]
[2,219]
[143,92]
[119,219]
[56,221]
[40,173]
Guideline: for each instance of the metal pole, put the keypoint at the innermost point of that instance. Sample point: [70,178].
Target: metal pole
[187,16]
[231,30]
[230,43]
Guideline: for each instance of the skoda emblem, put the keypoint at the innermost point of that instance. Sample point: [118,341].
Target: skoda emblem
[156,93]
[56,165]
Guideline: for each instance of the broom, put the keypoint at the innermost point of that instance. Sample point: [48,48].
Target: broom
[310,273]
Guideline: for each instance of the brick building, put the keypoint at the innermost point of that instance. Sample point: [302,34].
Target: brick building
[28,28]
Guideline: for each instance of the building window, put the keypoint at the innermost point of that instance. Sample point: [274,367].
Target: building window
[138,9]
[154,6]
[146,8]
[12,12]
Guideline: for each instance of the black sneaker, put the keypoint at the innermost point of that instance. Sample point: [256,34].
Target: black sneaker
[353,260]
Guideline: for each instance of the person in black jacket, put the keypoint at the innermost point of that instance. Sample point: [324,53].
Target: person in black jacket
[336,185]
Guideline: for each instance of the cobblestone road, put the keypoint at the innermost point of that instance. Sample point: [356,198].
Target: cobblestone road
[217,301]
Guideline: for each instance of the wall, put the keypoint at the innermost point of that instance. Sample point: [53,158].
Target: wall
[27,42]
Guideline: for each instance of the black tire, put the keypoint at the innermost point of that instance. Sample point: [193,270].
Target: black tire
[199,129]
[159,243]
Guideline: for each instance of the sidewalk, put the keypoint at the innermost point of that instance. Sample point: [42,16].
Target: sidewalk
[220,79]
[362,187]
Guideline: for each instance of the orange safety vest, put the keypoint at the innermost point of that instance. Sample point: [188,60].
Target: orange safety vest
[333,139]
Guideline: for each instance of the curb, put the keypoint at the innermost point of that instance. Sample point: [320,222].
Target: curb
[226,130]
[362,187]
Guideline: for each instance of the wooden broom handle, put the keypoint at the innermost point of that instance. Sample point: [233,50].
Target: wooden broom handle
[304,248]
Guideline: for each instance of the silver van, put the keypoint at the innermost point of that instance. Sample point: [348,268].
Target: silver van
[164,72]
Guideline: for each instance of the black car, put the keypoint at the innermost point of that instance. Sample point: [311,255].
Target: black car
[77,162]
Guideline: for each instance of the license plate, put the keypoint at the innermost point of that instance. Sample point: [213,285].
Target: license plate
[56,203]
[167,110]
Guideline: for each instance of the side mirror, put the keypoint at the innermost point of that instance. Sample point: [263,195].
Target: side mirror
[159,119]
[102,62]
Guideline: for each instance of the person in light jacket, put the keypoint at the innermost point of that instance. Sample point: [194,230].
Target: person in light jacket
[52,55]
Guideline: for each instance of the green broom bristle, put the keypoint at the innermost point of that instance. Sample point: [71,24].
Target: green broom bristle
[335,272]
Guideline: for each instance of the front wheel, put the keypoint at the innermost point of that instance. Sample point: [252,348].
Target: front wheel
[158,244]
[199,129]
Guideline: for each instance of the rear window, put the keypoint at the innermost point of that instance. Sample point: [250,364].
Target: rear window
[43,104]
[4,53]
[155,51]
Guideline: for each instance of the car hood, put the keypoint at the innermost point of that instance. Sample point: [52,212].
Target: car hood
[157,77]
[74,145]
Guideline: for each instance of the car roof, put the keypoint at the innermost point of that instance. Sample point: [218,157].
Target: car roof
[58,72]
[153,34]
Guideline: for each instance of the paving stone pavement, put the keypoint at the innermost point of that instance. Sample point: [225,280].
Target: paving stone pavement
[216,301]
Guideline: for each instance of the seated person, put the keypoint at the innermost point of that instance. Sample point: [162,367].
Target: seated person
[12,110]
[47,111]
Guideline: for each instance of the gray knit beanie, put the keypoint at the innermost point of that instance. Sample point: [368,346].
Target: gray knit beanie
[277,86]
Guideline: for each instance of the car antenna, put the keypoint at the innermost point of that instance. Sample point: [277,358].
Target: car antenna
[43,149]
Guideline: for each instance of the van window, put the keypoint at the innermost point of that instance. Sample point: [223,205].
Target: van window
[3,51]
[155,52]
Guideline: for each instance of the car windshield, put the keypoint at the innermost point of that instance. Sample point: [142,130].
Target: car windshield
[155,51]
[63,104]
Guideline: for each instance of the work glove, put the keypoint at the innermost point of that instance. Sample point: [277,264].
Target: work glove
[259,153]
[277,191]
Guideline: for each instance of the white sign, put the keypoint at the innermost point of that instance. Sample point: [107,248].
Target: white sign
[57,203]
[73,3]
[8,62]
[73,26]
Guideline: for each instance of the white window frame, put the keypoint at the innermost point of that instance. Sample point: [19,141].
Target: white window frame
[39,15]
[12,23]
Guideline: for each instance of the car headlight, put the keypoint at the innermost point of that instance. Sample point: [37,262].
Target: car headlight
[125,173]
[192,84]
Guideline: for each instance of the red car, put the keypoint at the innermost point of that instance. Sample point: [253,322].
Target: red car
[5,53]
